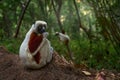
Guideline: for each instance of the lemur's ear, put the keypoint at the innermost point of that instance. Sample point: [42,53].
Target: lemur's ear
[33,22]
[63,31]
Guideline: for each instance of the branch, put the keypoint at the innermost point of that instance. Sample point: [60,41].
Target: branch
[79,20]
[57,13]
[21,18]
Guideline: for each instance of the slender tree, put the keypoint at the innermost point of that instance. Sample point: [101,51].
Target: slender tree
[107,19]
[79,19]
[57,10]
[21,18]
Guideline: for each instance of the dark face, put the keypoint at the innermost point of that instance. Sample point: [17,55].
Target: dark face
[41,28]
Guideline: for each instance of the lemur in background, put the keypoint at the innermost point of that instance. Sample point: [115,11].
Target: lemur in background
[65,39]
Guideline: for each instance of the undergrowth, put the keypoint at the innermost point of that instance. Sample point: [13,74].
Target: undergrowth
[96,55]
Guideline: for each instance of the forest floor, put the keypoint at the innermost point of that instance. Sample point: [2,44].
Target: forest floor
[11,68]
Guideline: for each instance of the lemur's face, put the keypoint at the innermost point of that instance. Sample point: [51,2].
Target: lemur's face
[40,27]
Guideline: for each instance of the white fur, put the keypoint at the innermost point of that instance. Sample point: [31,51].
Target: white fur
[44,48]
[63,37]
[40,22]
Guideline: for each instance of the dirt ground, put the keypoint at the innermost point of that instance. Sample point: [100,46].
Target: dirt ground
[11,68]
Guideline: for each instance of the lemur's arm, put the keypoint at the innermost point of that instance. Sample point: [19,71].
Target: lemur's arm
[40,46]
[36,44]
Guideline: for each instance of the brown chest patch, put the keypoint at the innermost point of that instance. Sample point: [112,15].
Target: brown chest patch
[33,44]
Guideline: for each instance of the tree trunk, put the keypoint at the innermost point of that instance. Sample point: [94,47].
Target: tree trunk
[57,13]
[21,18]
[79,20]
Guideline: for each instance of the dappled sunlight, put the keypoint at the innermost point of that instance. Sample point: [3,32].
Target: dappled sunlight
[62,18]
[78,1]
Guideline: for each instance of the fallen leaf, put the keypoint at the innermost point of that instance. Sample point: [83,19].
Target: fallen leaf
[112,74]
[100,76]
[86,73]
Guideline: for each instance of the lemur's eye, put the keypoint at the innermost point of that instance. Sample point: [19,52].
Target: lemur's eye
[39,28]
[43,27]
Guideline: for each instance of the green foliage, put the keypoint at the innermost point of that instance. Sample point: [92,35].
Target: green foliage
[11,44]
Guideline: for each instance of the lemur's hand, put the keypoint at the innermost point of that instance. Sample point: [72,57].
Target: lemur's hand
[45,34]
